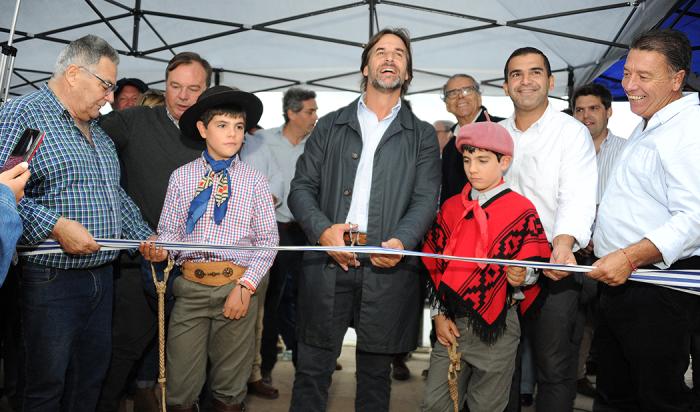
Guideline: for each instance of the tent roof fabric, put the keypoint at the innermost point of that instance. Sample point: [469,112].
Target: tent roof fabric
[686,18]
[260,45]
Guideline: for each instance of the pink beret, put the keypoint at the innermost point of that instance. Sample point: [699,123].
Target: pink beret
[485,135]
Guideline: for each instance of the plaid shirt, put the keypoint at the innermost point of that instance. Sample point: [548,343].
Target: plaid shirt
[249,221]
[70,178]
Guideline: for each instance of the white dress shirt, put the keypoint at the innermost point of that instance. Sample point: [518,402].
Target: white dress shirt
[554,166]
[372,131]
[654,191]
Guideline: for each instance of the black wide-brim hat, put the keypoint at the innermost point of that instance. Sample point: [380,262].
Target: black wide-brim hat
[220,96]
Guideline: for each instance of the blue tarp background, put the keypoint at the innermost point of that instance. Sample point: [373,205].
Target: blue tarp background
[689,23]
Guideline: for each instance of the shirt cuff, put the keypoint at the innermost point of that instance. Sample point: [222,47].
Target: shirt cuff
[248,284]
[670,247]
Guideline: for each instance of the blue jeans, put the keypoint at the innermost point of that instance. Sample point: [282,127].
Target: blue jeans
[67,317]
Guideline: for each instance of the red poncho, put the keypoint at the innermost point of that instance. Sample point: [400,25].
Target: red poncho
[506,227]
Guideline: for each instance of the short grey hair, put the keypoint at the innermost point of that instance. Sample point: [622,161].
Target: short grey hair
[85,51]
[464,76]
[294,99]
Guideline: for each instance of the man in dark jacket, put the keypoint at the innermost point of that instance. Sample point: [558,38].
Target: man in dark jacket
[462,98]
[372,167]
[150,147]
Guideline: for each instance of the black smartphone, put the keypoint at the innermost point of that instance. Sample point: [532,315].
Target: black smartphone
[25,148]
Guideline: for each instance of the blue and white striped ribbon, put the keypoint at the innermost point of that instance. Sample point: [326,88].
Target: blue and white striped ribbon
[683,280]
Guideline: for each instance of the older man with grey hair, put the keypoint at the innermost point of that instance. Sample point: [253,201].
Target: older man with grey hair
[443,129]
[462,97]
[73,196]
[286,143]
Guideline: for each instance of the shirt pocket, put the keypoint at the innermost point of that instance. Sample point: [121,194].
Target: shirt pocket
[544,173]
[645,172]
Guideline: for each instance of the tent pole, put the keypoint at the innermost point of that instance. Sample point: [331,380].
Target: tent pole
[137,25]
[570,83]
[7,61]
[372,11]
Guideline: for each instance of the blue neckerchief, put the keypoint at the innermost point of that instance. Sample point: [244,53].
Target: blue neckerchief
[199,204]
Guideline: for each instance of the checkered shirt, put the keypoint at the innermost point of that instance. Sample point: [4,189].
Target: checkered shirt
[70,178]
[249,221]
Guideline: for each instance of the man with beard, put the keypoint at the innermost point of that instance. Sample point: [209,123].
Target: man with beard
[150,147]
[462,98]
[369,175]
[555,168]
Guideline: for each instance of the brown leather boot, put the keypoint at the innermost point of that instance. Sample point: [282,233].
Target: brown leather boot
[226,407]
[145,400]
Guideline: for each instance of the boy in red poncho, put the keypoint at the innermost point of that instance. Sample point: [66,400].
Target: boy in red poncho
[475,304]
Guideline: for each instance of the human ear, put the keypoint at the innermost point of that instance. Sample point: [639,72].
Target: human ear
[202,129]
[505,162]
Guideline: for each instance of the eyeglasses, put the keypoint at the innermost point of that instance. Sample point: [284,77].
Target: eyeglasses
[462,91]
[108,86]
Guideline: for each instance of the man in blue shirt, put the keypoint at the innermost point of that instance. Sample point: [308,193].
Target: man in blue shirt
[73,196]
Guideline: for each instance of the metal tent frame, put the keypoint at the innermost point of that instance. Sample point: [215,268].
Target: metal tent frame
[142,22]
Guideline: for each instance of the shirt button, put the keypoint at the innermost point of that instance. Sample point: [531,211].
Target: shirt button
[331,265]
[355,156]
[347,192]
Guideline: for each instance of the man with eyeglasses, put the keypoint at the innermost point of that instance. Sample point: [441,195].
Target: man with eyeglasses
[462,98]
[73,196]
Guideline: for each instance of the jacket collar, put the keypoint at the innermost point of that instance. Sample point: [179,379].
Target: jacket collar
[404,120]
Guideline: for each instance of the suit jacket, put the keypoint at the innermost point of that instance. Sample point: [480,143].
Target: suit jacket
[404,193]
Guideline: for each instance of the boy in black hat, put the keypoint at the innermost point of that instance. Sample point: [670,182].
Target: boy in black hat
[216,199]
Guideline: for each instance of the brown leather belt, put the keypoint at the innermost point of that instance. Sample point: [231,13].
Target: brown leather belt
[360,238]
[212,273]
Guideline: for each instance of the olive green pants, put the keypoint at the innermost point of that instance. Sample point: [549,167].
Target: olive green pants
[199,333]
[486,370]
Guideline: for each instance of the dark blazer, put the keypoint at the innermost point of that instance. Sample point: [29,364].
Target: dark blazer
[404,193]
[453,177]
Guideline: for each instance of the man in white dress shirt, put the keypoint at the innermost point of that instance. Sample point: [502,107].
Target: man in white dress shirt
[650,217]
[555,168]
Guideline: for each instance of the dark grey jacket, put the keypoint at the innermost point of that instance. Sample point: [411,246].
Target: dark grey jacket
[403,201]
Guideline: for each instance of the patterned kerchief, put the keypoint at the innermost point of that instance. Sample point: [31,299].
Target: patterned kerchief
[218,172]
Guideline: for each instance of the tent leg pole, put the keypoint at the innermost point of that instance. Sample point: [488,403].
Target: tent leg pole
[8,59]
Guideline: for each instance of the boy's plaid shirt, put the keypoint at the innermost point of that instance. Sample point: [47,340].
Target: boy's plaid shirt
[249,221]
[70,178]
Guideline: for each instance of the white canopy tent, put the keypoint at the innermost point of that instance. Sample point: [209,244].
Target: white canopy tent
[261,45]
